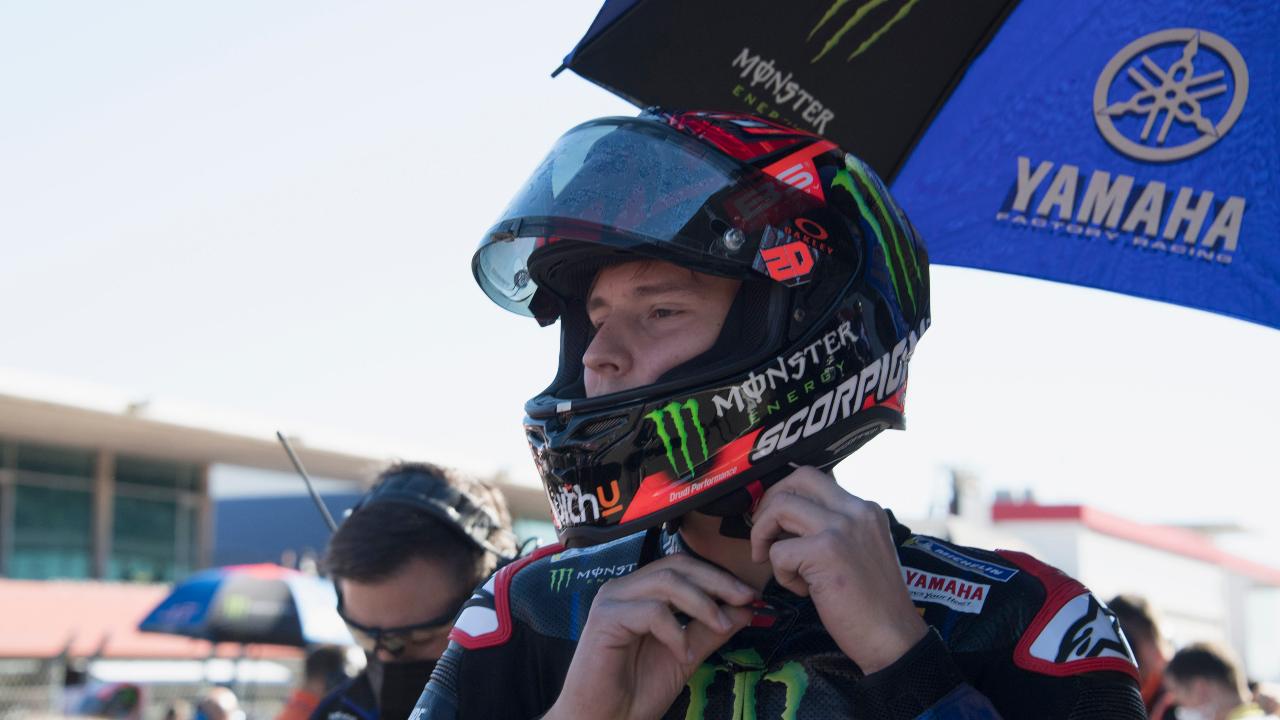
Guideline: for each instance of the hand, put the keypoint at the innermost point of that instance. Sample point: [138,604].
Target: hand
[634,658]
[1268,698]
[837,549]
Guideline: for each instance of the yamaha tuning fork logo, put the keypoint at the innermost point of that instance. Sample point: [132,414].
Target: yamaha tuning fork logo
[1171,94]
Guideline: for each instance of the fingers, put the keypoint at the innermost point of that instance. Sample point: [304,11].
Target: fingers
[685,596]
[787,558]
[787,514]
[812,482]
[652,617]
[671,577]
[702,640]
[646,603]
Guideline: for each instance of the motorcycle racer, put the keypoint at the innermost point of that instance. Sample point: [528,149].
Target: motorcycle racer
[738,303]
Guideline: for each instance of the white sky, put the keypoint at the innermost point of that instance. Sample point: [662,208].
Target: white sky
[269,209]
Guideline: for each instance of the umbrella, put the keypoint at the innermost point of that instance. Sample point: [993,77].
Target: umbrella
[1133,147]
[262,603]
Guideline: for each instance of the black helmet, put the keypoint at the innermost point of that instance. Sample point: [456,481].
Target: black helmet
[812,360]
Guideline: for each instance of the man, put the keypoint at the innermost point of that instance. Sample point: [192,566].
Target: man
[325,668]
[1151,650]
[219,703]
[738,302]
[403,562]
[1208,685]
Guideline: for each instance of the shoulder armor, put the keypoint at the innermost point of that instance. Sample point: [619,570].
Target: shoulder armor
[550,592]
[485,620]
[1072,633]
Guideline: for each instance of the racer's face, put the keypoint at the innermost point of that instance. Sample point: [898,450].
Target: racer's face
[410,604]
[649,317]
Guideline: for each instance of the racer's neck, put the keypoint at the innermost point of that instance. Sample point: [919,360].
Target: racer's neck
[701,533]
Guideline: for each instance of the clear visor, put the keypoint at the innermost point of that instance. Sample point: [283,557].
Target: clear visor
[633,186]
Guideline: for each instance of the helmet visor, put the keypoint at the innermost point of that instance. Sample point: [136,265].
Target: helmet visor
[638,186]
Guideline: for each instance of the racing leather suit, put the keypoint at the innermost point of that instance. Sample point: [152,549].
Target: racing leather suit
[1010,638]
[352,700]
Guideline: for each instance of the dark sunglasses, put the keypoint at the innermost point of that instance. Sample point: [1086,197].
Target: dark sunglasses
[398,639]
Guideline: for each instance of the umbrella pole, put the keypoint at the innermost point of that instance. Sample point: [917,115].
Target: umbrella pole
[247,687]
[236,678]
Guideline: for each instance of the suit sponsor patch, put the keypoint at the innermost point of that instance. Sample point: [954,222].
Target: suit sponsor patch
[1083,628]
[954,557]
[1072,633]
[960,595]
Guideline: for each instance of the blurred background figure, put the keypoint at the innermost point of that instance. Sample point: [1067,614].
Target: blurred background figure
[178,710]
[1138,621]
[1206,682]
[219,703]
[1267,696]
[116,700]
[326,667]
[404,561]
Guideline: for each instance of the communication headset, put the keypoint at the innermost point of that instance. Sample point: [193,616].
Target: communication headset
[424,490]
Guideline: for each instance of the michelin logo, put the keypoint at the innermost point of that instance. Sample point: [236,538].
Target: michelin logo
[999,573]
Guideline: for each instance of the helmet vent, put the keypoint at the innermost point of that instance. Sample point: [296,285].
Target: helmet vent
[592,428]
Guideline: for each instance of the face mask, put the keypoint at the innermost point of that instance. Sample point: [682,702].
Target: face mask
[397,685]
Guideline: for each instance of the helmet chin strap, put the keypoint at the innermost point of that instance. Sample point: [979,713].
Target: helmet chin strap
[738,524]
[736,509]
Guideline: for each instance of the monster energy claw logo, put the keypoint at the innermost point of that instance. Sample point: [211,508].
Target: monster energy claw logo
[560,578]
[904,9]
[883,217]
[675,411]
[747,671]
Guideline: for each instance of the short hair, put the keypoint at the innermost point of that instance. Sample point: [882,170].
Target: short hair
[1208,661]
[1137,619]
[376,541]
[328,664]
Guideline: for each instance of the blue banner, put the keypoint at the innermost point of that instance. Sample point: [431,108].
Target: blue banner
[1132,146]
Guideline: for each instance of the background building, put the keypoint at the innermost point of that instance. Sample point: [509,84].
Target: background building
[103,504]
[1201,591]
[90,492]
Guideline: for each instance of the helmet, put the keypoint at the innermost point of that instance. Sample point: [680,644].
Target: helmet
[812,360]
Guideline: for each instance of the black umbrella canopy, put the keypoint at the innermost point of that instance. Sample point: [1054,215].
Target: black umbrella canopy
[1123,146]
[897,61]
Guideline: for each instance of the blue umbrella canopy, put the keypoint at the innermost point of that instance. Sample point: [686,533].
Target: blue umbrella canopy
[1132,147]
[251,604]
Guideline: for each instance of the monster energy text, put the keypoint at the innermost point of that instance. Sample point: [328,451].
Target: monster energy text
[757,71]
[749,394]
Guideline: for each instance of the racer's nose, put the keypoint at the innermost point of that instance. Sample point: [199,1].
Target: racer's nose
[608,361]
